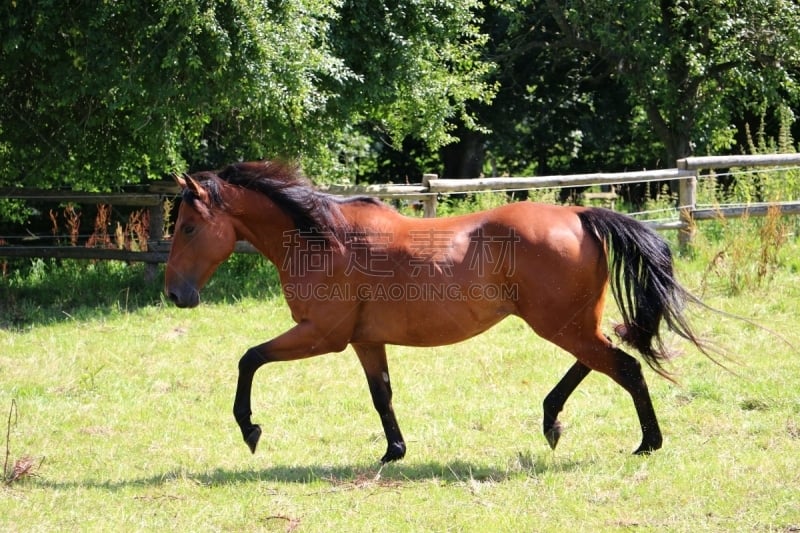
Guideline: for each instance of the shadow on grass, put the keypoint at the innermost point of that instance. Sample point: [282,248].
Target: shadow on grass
[39,292]
[345,477]
[523,465]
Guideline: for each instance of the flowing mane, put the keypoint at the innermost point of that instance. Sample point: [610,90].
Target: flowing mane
[312,211]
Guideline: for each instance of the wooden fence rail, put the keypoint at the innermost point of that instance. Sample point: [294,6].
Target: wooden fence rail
[157,248]
[686,173]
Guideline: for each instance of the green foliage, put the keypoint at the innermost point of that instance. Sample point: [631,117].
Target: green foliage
[743,254]
[676,72]
[557,110]
[41,291]
[768,185]
[746,254]
[243,276]
[105,95]
[100,96]
[469,203]
[400,50]
[15,211]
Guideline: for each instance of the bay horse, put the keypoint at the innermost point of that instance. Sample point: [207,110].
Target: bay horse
[356,272]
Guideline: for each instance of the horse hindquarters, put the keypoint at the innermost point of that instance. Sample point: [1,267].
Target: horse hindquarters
[642,282]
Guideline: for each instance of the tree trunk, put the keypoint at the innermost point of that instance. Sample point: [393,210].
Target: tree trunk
[465,157]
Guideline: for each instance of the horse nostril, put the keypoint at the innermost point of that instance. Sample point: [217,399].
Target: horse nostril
[182,295]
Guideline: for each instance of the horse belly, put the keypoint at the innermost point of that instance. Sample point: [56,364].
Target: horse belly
[427,323]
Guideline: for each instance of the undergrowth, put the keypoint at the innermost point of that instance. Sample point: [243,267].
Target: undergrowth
[747,253]
[41,291]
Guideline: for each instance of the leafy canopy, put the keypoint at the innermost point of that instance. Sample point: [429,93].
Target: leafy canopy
[586,83]
[104,94]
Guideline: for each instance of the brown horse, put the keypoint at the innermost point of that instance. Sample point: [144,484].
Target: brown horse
[354,271]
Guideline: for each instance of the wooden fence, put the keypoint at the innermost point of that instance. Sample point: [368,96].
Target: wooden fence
[687,173]
[157,248]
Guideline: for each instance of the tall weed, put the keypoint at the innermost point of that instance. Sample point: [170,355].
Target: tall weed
[746,252]
[460,205]
[768,185]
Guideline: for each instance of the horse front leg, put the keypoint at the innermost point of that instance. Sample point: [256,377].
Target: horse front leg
[373,360]
[302,341]
[251,361]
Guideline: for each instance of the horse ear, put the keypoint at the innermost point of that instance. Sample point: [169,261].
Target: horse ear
[198,190]
[179,180]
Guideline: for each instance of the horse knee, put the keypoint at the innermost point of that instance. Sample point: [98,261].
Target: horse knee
[251,361]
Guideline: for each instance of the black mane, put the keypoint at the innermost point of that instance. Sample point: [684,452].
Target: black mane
[312,211]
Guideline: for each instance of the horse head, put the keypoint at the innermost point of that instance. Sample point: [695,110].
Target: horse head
[204,237]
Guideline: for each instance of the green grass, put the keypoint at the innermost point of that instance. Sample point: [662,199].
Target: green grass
[126,410]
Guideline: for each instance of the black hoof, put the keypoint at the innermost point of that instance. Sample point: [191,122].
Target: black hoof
[644,450]
[647,448]
[252,438]
[395,451]
[553,434]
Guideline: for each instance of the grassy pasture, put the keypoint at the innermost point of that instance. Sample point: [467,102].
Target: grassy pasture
[126,412]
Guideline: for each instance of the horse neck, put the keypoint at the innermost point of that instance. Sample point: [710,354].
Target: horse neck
[261,223]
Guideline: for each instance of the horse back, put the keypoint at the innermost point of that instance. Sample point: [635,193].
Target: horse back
[437,281]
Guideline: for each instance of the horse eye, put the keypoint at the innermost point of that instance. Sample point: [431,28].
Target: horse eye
[188,229]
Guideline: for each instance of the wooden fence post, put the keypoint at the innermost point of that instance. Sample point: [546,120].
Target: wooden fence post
[429,203]
[156,229]
[156,235]
[687,203]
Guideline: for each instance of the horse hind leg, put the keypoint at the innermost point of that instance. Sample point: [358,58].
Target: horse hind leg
[598,353]
[629,376]
[555,400]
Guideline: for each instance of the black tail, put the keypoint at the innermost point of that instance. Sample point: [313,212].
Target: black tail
[643,284]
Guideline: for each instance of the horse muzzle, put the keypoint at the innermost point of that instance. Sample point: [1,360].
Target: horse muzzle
[184,295]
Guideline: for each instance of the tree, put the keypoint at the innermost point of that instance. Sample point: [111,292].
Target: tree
[690,66]
[557,109]
[586,85]
[418,66]
[101,95]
